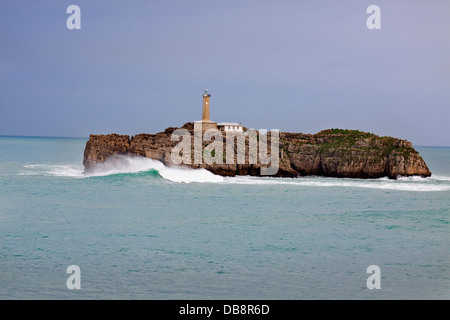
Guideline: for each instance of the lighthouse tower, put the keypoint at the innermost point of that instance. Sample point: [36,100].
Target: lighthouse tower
[205,111]
[206,123]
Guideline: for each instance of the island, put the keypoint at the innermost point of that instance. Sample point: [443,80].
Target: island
[338,153]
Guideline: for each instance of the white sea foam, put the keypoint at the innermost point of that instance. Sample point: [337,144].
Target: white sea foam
[61,170]
[441,178]
[190,175]
[139,164]
[413,184]
[122,164]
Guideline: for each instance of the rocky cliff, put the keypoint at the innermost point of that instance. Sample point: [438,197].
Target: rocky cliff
[332,153]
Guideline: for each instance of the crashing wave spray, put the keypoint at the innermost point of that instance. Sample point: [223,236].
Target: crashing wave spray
[126,164]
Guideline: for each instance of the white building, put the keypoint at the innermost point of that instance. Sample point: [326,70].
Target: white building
[230,127]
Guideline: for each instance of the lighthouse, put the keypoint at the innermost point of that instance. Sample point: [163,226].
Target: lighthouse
[206,123]
[205,111]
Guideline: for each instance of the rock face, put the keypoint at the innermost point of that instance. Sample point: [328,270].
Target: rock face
[352,154]
[331,153]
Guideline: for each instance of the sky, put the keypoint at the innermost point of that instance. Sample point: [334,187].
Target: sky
[297,66]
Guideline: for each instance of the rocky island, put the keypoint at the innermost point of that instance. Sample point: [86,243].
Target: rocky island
[331,153]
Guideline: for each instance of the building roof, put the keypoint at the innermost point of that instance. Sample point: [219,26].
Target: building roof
[228,124]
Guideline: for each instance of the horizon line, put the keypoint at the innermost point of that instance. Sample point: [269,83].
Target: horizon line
[65,137]
[55,137]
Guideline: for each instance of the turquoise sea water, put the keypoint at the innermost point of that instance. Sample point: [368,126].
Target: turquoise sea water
[139,230]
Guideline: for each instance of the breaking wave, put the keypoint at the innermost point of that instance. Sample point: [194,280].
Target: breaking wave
[138,165]
[401,184]
[124,165]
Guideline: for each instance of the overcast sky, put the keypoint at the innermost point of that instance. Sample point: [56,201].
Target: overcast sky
[299,66]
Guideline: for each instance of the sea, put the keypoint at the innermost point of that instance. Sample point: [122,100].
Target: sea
[139,230]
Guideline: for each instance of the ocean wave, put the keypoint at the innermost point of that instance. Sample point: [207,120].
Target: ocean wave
[124,165]
[134,165]
[440,178]
[59,170]
[425,185]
